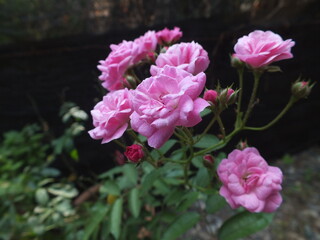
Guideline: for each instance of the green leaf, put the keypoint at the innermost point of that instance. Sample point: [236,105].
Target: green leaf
[110,187]
[131,174]
[243,225]
[206,141]
[174,197]
[149,180]
[197,162]
[134,202]
[42,196]
[214,203]
[205,112]
[167,146]
[181,224]
[188,200]
[115,218]
[95,220]
[111,172]
[202,178]
[178,154]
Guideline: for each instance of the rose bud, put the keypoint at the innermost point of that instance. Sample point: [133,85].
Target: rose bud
[228,96]
[301,89]
[134,153]
[236,62]
[119,157]
[208,161]
[242,145]
[211,96]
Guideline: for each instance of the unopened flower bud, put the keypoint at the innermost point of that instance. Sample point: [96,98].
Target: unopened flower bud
[236,62]
[242,145]
[228,96]
[208,161]
[119,157]
[301,89]
[134,153]
[211,96]
[131,81]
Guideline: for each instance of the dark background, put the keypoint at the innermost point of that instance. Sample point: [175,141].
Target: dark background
[49,53]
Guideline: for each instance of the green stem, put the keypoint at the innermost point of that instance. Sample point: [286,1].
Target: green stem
[120,144]
[207,128]
[276,119]
[219,144]
[257,76]
[240,74]
[187,167]
[182,138]
[222,129]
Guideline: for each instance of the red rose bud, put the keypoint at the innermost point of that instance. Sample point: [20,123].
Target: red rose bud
[134,153]
[211,96]
[208,161]
[236,62]
[301,89]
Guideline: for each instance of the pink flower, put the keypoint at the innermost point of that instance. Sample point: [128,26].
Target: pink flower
[260,49]
[134,153]
[167,100]
[211,96]
[147,43]
[248,181]
[111,116]
[122,57]
[190,57]
[167,36]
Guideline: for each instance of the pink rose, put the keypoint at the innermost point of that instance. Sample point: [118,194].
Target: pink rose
[147,43]
[167,100]
[134,153]
[190,57]
[111,116]
[122,57]
[248,181]
[168,37]
[260,49]
[116,64]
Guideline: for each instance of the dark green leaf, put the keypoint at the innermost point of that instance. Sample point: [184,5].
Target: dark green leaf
[188,200]
[134,202]
[149,180]
[243,225]
[94,221]
[115,218]
[174,197]
[197,161]
[110,187]
[202,178]
[206,141]
[214,203]
[131,174]
[181,224]
[167,146]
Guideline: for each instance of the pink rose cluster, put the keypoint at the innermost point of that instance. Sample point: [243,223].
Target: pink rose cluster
[128,53]
[167,99]
[249,182]
[260,48]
